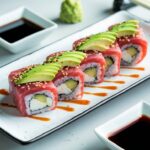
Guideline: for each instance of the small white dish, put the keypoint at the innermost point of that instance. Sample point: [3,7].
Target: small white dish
[28,41]
[119,122]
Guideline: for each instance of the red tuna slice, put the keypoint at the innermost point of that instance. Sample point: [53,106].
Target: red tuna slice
[99,61]
[19,92]
[139,41]
[73,73]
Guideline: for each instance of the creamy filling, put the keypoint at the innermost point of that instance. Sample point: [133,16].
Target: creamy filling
[35,104]
[63,89]
[129,54]
[88,78]
[126,57]
[38,102]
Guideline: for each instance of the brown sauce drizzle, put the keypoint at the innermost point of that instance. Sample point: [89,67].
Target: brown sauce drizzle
[7,105]
[80,102]
[103,87]
[4,92]
[96,94]
[32,117]
[39,118]
[69,109]
[130,75]
[134,68]
[117,82]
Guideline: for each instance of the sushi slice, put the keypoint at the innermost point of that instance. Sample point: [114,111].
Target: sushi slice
[104,43]
[93,67]
[70,80]
[32,88]
[113,58]
[131,41]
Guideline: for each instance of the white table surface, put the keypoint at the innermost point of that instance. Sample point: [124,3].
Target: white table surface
[78,135]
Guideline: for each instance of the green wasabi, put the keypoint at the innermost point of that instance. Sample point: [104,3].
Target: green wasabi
[71,11]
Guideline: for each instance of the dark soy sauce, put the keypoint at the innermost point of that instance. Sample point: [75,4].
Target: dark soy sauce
[135,136]
[18,29]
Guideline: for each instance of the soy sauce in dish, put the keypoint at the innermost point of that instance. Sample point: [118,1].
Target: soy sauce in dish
[135,136]
[18,29]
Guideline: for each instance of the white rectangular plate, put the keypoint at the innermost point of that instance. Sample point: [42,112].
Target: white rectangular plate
[26,129]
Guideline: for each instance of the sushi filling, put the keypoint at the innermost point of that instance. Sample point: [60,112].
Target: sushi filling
[38,102]
[129,54]
[109,62]
[67,88]
[90,74]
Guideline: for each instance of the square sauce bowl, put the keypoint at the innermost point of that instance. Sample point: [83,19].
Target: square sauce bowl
[22,29]
[129,130]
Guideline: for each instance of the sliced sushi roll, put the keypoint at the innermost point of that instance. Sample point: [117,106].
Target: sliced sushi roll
[32,88]
[104,43]
[131,41]
[93,67]
[113,58]
[70,80]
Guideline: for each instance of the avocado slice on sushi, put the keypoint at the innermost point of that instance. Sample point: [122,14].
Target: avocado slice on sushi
[125,31]
[71,58]
[108,34]
[35,77]
[99,42]
[127,28]
[66,61]
[39,73]
[133,21]
[93,46]
[74,54]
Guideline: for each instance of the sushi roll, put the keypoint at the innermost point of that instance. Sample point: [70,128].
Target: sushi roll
[131,41]
[93,67]
[104,43]
[32,88]
[113,58]
[70,80]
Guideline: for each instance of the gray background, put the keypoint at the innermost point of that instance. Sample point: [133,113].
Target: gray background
[78,135]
